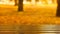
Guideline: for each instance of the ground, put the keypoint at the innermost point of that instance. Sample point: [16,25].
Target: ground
[32,14]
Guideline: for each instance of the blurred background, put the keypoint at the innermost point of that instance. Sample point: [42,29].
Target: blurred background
[12,2]
[38,17]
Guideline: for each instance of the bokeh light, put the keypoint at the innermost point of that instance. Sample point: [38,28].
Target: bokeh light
[7,2]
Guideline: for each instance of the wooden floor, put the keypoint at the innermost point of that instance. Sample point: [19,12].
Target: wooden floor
[30,29]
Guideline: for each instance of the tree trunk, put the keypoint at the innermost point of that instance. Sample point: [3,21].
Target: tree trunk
[15,2]
[20,5]
[58,8]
